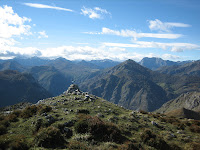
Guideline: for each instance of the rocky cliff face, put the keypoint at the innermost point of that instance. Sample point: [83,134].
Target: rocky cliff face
[127,84]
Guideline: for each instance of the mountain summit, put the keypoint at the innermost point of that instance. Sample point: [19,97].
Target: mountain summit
[128,84]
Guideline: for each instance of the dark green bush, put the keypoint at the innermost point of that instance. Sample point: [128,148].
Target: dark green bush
[34,109]
[12,117]
[4,142]
[19,143]
[151,139]
[44,108]
[193,146]
[5,123]
[195,128]
[29,111]
[3,129]
[99,130]
[50,138]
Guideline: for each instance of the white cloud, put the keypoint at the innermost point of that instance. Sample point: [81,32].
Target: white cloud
[36,5]
[135,35]
[170,57]
[174,47]
[11,24]
[165,26]
[42,34]
[96,13]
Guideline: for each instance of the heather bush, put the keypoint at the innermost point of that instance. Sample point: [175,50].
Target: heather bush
[99,130]
[49,138]
[128,146]
[151,139]
[76,145]
[34,109]
[3,129]
[12,117]
[195,128]
[29,111]
[193,146]
[18,143]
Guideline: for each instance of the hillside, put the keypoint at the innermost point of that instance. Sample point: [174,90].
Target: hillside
[189,101]
[50,79]
[76,120]
[16,87]
[127,84]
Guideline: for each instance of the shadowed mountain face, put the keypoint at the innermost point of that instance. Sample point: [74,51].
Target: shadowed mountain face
[51,79]
[127,84]
[16,87]
[106,63]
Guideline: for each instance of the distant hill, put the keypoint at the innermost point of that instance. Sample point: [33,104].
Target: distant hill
[192,69]
[128,84]
[51,79]
[33,61]
[106,63]
[18,87]
[154,63]
[189,101]
[11,65]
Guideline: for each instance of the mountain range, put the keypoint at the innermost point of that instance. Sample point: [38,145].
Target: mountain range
[128,84]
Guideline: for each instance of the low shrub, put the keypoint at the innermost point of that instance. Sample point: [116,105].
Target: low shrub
[4,142]
[12,117]
[151,139]
[5,122]
[18,143]
[50,138]
[99,130]
[193,146]
[195,128]
[35,109]
[74,145]
[128,146]
[3,129]
[44,108]
[143,112]
[29,111]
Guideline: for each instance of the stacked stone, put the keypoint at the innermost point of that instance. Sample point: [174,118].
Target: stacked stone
[73,89]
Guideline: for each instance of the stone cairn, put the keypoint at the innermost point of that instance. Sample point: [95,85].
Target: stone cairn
[73,89]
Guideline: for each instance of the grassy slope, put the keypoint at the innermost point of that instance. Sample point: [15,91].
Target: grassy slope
[131,125]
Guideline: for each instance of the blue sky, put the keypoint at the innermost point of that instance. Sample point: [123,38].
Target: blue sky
[100,29]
